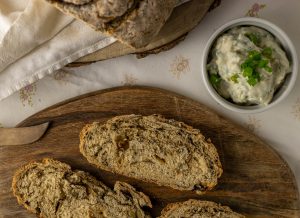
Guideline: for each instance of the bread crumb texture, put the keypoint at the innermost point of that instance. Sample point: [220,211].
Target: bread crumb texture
[153,149]
[51,189]
[198,209]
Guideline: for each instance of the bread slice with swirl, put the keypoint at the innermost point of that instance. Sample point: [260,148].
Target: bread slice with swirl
[51,189]
[133,22]
[153,149]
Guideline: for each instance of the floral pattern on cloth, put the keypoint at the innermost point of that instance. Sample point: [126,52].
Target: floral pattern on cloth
[253,124]
[61,76]
[26,94]
[296,109]
[179,66]
[129,80]
[184,62]
[255,9]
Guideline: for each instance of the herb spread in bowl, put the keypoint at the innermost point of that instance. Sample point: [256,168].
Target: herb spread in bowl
[247,65]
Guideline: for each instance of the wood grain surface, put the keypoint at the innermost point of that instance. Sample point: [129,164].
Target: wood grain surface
[183,19]
[256,181]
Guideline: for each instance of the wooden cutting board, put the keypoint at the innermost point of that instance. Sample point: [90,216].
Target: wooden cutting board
[256,181]
[183,19]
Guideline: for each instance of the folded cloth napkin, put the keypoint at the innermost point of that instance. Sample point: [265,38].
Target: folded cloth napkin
[36,40]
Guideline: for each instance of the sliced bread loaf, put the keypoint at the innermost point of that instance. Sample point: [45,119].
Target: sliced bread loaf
[133,22]
[51,189]
[153,149]
[198,209]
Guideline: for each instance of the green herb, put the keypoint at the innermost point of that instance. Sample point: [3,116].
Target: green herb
[254,55]
[256,75]
[252,81]
[215,79]
[245,64]
[234,78]
[267,52]
[263,63]
[268,69]
[254,62]
[254,78]
[253,38]
[247,72]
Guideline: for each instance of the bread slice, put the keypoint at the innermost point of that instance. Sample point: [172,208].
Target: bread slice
[133,22]
[51,189]
[153,149]
[197,208]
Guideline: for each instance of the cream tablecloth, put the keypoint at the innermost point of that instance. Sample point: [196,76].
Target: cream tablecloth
[178,70]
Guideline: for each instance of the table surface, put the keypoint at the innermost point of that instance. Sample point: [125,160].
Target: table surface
[178,70]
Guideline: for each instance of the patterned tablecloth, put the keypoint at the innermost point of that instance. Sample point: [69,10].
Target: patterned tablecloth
[178,70]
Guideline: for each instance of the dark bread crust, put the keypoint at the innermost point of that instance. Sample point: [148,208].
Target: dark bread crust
[133,22]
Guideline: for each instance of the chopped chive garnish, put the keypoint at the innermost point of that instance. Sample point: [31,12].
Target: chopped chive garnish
[267,52]
[234,78]
[268,69]
[254,55]
[215,79]
[248,71]
[254,62]
[245,64]
[253,38]
[254,78]
[256,75]
[252,81]
[263,63]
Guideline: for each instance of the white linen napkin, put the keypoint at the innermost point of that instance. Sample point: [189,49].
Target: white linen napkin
[36,39]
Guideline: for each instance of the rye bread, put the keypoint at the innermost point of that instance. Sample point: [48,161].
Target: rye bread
[133,22]
[153,149]
[51,189]
[198,209]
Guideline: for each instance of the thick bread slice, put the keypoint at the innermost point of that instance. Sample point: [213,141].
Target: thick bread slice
[153,149]
[133,22]
[198,209]
[51,189]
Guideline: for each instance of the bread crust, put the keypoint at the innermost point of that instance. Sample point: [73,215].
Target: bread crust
[200,189]
[119,188]
[17,175]
[173,207]
[133,22]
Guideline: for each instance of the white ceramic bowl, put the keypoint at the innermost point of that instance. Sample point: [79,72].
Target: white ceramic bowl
[286,43]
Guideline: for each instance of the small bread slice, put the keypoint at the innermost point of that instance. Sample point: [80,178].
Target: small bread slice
[133,22]
[197,208]
[51,189]
[153,149]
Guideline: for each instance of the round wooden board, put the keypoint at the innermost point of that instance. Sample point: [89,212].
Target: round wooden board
[183,19]
[256,181]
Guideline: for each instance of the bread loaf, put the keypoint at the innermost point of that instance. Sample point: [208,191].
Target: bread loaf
[133,22]
[51,189]
[153,149]
[197,208]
